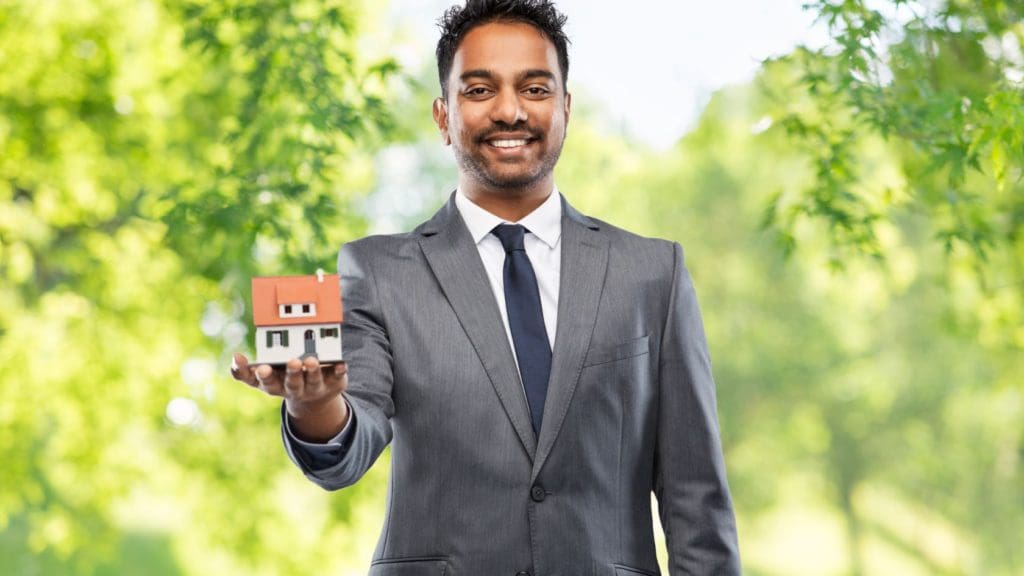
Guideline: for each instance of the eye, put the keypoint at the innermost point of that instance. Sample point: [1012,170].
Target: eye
[537,91]
[476,91]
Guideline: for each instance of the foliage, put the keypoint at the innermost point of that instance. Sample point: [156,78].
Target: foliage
[153,157]
[944,83]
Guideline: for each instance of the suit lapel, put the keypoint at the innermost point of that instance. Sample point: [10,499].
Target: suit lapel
[584,263]
[455,261]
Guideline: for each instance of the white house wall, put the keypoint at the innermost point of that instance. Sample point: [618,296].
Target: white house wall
[327,349]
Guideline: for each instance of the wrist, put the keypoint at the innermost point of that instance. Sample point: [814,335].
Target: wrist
[302,409]
[317,421]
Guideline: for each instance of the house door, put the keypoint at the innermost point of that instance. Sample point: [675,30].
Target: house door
[310,341]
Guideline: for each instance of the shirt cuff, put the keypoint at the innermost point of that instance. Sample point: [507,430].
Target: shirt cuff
[318,456]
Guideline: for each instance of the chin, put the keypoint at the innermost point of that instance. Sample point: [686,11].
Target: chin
[498,176]
[512,182]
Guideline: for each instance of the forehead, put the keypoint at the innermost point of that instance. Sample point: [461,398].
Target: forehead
[505,48]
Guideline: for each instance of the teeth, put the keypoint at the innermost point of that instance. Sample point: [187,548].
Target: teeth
[508,143]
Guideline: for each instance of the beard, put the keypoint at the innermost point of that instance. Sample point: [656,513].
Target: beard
[507,176]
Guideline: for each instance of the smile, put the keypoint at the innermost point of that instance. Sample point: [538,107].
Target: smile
[508,143]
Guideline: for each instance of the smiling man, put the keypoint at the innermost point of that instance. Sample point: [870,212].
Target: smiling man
[538,373]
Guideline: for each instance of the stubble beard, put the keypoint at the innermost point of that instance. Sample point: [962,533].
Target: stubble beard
[476,165]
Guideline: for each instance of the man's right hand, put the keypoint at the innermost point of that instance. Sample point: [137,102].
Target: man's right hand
[312,395]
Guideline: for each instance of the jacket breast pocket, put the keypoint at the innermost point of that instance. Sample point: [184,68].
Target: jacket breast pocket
[432,566]
[627,349]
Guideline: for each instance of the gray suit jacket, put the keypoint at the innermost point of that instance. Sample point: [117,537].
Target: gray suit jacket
[630,410]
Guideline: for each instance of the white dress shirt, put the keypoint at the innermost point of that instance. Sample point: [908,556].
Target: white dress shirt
[543,247]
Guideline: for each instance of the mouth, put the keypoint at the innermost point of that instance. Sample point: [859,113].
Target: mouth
[509,143]
[510,140]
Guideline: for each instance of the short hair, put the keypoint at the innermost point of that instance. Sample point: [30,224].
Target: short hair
[457,21]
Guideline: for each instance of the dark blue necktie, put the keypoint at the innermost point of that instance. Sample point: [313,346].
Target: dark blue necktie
[525,319]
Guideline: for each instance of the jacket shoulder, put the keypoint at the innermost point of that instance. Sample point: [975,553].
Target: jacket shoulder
[380,244]
[658,251]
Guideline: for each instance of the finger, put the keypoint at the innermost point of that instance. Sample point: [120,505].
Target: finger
[336,377]
[294,378]
[311,366]
[269,380]
[241,371]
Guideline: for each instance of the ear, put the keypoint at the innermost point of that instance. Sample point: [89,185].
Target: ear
[568,106]
[441,119]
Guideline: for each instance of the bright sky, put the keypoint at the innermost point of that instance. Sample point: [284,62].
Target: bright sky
[652,64]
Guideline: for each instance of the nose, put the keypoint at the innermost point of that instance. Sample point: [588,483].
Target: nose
[508,108]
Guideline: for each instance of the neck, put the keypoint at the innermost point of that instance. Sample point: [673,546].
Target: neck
[511,204]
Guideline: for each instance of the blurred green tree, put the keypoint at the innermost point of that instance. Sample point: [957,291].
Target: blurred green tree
[153,157]
[943,82]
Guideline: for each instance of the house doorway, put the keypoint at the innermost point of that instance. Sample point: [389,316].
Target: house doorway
[310,343]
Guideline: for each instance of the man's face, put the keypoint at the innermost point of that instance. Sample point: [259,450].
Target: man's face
[506,111]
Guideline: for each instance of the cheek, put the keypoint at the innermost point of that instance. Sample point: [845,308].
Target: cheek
[548,116]
[456,124]
[461,133]
[467,127]
[556,126]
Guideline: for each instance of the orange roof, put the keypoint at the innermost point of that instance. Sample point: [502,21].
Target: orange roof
[268,292]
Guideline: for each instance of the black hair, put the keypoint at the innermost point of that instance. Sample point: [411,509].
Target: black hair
[457,21]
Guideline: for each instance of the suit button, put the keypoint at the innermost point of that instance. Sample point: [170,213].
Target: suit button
[537,493]
[523,573]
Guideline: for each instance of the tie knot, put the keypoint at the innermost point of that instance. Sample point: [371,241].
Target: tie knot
[511,236]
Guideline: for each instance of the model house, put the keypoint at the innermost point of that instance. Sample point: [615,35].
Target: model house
[296,316]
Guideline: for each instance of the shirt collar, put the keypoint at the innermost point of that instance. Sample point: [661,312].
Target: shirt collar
[545,222]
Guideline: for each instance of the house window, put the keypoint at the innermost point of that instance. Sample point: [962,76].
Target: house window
[296,310]
[277,338]
[328,332]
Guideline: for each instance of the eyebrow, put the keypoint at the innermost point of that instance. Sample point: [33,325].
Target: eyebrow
[484,74]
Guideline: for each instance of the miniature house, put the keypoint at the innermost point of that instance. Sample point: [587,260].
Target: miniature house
[296,316]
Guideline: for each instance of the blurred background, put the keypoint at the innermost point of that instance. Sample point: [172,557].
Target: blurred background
[846,179]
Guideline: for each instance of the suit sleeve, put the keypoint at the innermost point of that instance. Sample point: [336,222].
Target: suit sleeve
[317,455]
[367,351]
[690,482]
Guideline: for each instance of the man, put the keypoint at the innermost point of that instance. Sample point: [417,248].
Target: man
[538,373]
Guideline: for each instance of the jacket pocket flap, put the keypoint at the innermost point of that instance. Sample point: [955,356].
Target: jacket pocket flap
[628,349]
[621,570]
[432,566]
